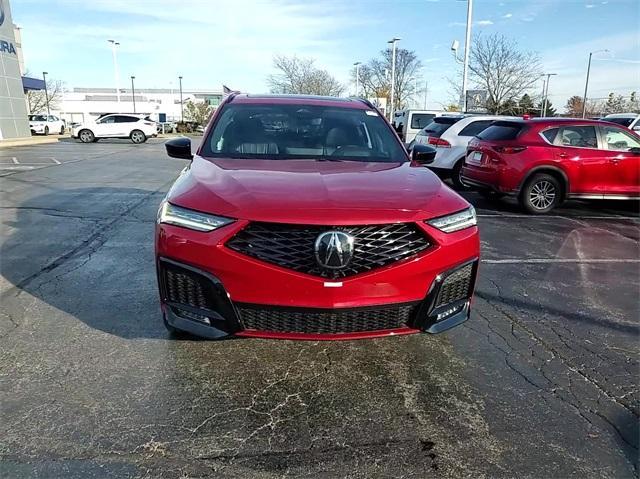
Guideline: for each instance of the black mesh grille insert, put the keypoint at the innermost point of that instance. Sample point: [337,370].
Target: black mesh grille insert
[320,321]
[292,246]
[456,286]
[183,286]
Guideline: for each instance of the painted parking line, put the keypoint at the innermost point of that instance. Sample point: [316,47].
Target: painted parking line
[560,260]
[539,217]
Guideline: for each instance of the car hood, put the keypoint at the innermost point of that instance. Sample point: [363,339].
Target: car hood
[314,192]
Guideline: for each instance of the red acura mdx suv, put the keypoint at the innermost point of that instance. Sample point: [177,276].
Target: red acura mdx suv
[545,161]
[304,217]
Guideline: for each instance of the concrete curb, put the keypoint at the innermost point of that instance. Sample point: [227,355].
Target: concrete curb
[30,141]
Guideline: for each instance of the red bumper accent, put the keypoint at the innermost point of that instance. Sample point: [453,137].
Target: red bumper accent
[251,333]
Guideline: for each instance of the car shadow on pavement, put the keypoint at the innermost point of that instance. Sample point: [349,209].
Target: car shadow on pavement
[88,253]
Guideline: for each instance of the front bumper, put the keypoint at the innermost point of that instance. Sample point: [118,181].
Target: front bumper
[243,296]
[37,129]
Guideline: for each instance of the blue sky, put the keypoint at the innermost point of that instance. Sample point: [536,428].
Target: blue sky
[233,41]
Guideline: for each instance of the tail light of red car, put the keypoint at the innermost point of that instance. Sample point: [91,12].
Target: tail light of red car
[509,149]
[439,142]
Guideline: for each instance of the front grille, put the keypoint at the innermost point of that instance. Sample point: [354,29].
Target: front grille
[292,246]
[456,286]
[321,321]
[184,286]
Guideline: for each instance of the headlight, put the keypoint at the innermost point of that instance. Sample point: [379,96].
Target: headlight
[455,222]
[193,220]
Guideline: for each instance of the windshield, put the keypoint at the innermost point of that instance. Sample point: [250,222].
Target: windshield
[302,131]
[37,118]
[420,120]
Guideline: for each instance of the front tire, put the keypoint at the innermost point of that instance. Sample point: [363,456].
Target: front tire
[138,137]
[86,136]
[46,130]
[541,194]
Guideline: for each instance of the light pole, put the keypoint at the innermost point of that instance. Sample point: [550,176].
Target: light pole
[116,74]
[546,93]
[586,83]
[544,83]
[393,75]
[46,92]
[133,93]
[357,65]
[181,108]
[467,49]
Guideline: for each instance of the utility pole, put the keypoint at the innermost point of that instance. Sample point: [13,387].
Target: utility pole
[393,76]
[426,89]
[181,107]
[357,65]
[46,92]
[133,93]
[467,49]
[546,93]
[586,83]
[116,73]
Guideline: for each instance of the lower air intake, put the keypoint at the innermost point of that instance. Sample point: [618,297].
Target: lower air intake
[321,321]
[456,286]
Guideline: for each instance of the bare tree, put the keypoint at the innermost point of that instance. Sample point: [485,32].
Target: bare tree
[300,75]
[37,100]
[498,66]
[375,76]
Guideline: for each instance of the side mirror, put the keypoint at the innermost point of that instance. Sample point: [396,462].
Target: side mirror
[179,148]
[634,151]
[423,154]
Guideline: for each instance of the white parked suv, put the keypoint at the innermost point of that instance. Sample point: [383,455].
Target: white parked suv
[630,120]
[137,128]
[450,135]
[45,124]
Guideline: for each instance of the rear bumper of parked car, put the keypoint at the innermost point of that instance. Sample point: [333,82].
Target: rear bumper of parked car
[486,179]
[245,296]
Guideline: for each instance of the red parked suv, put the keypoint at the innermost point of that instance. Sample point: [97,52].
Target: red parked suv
[545,161]
[304,217]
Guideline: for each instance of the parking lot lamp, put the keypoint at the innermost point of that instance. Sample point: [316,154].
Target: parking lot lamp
[467,49]
[181,107]
[586,83]
[46,92]
[393,76]
[357,65]
[115,44]
[133,93]
[545,99]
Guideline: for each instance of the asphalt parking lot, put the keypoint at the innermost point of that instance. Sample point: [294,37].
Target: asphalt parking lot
[541,382]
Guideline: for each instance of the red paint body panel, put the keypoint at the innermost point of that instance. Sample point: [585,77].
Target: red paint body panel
[314,192]
[588,171]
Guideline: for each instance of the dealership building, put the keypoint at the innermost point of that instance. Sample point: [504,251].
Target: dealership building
[13,104]
[79,105]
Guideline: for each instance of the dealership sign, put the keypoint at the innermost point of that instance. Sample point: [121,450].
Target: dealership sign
[477,101]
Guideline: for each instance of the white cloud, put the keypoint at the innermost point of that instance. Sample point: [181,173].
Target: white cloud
[479,23]
[589,5]
[507,15]
[483,23]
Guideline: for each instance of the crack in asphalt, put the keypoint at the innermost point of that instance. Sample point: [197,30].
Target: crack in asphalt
[553,387]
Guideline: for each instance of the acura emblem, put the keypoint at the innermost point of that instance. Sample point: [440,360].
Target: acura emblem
[334,249]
